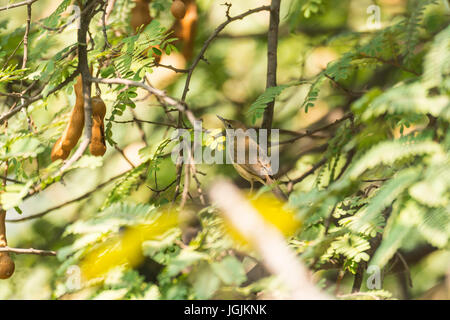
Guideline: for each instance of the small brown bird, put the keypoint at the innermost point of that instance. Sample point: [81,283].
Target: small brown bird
[261,170]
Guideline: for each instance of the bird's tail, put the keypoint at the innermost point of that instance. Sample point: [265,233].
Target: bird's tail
[276,190]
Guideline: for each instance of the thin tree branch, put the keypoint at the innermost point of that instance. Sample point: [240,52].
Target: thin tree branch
[25,37]
[392,63]
[216,32]
[181,106]
[124,156]
[28,251]
[171,68]
[5,116]
[146,121]
[109,9]
[308,173]
[5,178]
[82,197]
[18,4]
[105,35]
[309,133]
[272,47]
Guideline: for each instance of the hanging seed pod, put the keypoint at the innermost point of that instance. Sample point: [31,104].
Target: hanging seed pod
[178,9]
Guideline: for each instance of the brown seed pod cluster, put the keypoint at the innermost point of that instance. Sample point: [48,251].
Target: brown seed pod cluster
[139,18]
[72,133]
[140,15]
[178,9]
[7,266]
[74,129]
[98,143]
[185,28]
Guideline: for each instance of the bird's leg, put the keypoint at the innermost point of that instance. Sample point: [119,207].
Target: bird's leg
[251,186]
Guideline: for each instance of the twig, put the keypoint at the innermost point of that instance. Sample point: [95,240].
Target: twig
[340,86]
[124,156]
[105,35]
[140,128]
[25,56]
[376,180]
[84,196]
[109,9]
[171,68]
[407,270]
[392,63]
[18,4]
[28,251]
[5,116]
[146,121]
[199,185]
[158,191]
[210,39]
[12,54]
[307,173]
[309,133]
[227,13]
[187,182]
[272,47]
[181,106]
[5,178]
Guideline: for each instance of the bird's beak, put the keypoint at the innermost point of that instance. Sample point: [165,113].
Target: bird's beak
[220,118]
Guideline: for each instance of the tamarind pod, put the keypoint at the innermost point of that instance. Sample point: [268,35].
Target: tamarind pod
[97,146]
[140,15]
[98,107]
[178,9]
[7,266]
[185,29]
[98,143]
[72,132]
[58,152]
[74,129]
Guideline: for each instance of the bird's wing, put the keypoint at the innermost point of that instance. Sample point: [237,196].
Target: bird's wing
[260,166]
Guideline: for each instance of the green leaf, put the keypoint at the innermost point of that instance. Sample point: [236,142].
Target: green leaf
[205,282]
[394,235]
[433,190]
[435,227]
[52,20]
[257,108]
[24,147]
[408,99]
[384,197]
[230,271]
[13,195]
[90,162]
[437,62]
[185,259]
[390,151]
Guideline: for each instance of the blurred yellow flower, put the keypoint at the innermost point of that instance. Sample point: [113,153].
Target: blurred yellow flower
[125,249]
[274,212]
